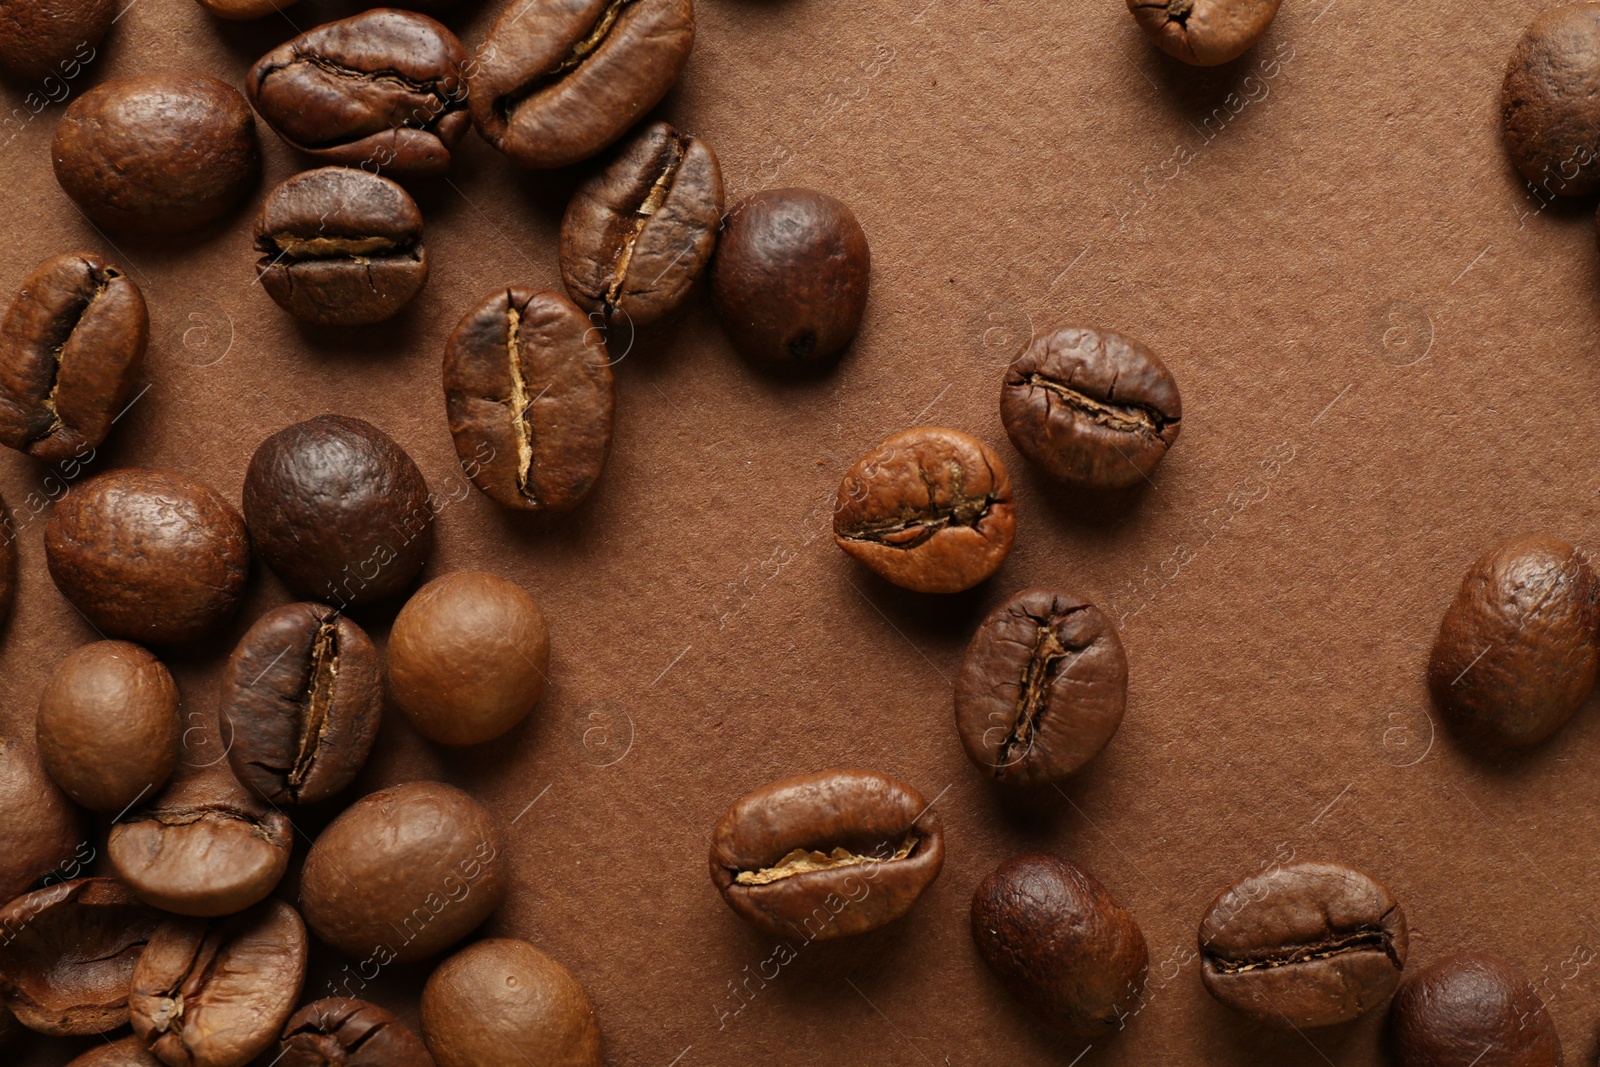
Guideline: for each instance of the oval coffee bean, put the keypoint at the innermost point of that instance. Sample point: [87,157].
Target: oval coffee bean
[1204,32]
[826,855]
[929,509]
[40,38]
[1550,101]
[559,80]
[1042,688]
[1312,944]
[503,1003]
[40,831]
[1060,944]
[1471,1011]
[303,694]
[71,346]
[345,1032]
[530,397]
[126,1052]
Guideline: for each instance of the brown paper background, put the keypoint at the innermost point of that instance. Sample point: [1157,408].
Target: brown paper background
[1387,354]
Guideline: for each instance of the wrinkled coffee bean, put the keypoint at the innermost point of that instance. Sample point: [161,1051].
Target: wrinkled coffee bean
[1550,101]
[150,556]
[40,833]
[8,562]
[1042,688]
[558,81]
[244,9]
[530,397]
[929,509]
[1204,32]
[1061,944]
[1471,1011]
[41,38]
[339,511]
[1312,944]
[826,855]
[344,1032]
[1516,653]
[127,1052]
[503,1003]
[383,91]
[302,695]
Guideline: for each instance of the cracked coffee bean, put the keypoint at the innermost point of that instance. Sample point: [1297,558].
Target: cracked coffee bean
[929,509]
[382,91]
[1042,688]
[1516,653]
[503,1003]
[1550,101]
[1312,944]
[41,38]
[1471,1011]
[345,1032]
[127,1052]
[71,347]
[303,695]
[1061,945]
[1204,32]
[639,234]
[557,80]
[530,397]
[826,855]
[40,831]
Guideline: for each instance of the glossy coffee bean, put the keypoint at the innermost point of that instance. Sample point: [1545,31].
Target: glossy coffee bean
[150,556]
[929,509]
[530,398]
[345,1032]
[40,832]
[126,1052]
[41,38]
[1204,32]
[503,1003]
[826,855]
[1550,101]
[1471,1011]
[1060,944]
[244,9]
[1042,688]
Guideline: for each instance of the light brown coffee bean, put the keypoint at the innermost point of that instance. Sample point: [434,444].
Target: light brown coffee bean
[503,1003]
[40,831]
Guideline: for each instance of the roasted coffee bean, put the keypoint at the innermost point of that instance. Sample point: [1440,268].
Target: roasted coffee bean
[157,153]
[1516,653]
[127,1052]
[70,350]
[41,38]
[1204,32]
[530,397]
[303,695]
[404,873]
[503,1003]
[1550,101]
[339,511]
[383,90]
[40,832]
[558,81]
[1471,1011]
[790,277]
[215,992]
[826,855]
[1310,944]
[929,509]
[469,656]
[1061,944]
[344,1032]
[244,9]
[1042,688]
[108,725]
[151,556]
[8,562]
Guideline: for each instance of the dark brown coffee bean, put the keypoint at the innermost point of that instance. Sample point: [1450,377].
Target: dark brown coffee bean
[1042,688]
[302,696]
[929,509]
[383,90]
[1310,944]
[1061,944]
[404,873]
[530,396]
[343,1032]
[503,1003]
[40,38]
[215,992]
[1204,32]
[826,855]
[1471,1011]
[151,556]
[157,153]
[1550,101]
[40,832]
[339,511]
[1516,653]
[127,1052]
[560,80]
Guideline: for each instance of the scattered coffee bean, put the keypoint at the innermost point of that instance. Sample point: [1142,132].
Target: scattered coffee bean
[244,9]
[530,397]
[1471,1011]
[339,511]
[40,832]
[345,1032]
[1550,101]
[150,556]
[503,1003]
[1060,944]
[127,1052]
[1516,653]
[1204,32]
[1042,688]
[41,38]
[929,509]
[8,562]
[303,695]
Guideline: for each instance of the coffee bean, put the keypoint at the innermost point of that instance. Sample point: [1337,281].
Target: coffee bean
[383,90]
[151,556]
[503,1003]
[404,873]
[557,81]
[345,1032]
[215,992]
[108,725]
[826,855]
[339,511]
[41,38]
[303,695]
[1550,101]
[530,397]
[1060,944]
[1312,944]
[127,1052]
[1042,688]
[244,9]
[1516,653]
[157,153]
[39,829]
[929,509]
[1204,32]
[1471,1011]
